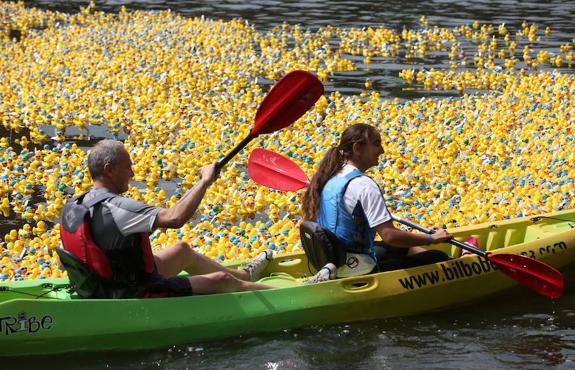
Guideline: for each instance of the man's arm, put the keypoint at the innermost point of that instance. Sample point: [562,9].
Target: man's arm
[176,216]
[404,239]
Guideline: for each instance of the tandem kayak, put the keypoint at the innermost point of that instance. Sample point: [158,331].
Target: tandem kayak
[42,317]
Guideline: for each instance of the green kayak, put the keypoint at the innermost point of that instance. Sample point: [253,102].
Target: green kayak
[42,317]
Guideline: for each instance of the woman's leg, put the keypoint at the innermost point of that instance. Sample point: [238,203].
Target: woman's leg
[415,250]
[427,257]
[391,258]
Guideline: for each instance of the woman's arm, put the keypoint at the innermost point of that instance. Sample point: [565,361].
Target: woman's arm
[404,239]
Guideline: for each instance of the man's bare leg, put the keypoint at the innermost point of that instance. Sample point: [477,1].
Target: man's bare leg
[180,257]
[222,282]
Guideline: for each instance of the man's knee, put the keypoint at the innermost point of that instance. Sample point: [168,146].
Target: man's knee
[180,244]
[181,247]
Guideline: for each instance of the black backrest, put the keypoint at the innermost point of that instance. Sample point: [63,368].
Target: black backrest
[321,246]
[84,280]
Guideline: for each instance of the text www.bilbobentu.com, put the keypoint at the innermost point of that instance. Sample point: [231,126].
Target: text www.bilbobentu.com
[449,271]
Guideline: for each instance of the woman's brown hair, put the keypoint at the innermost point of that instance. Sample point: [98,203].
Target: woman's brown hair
[332,162]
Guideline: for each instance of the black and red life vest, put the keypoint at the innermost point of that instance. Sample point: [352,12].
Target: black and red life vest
[91,269]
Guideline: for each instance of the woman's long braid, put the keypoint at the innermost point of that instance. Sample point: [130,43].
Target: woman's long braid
[329,165]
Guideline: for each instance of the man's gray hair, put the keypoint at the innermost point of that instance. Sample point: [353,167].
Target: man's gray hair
[105,151]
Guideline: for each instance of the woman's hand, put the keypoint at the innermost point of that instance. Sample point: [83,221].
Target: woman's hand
[440,236]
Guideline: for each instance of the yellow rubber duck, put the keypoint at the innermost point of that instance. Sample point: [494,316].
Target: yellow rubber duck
[5,207]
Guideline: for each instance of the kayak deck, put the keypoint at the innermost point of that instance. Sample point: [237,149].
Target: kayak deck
[42,316]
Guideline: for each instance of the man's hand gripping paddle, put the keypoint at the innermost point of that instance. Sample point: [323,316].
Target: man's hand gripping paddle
[288,100]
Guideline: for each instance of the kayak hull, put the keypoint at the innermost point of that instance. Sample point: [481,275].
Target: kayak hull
[58,322]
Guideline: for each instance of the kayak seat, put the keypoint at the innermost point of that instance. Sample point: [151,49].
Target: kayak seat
[84,280]
[321,246]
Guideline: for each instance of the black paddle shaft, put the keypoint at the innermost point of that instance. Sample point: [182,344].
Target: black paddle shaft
[455,242]
[222,162]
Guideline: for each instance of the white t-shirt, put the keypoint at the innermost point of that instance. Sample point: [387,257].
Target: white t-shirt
[363,192]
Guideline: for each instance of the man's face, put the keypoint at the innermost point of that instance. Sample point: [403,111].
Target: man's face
[121,171]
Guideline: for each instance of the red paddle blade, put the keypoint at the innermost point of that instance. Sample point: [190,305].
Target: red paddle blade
[530,272]
[288,100]
[275,171]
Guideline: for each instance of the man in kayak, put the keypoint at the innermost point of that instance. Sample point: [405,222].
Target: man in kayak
[344,200]
[120,227]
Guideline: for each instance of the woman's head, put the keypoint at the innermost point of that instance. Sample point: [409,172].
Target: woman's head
[360,144]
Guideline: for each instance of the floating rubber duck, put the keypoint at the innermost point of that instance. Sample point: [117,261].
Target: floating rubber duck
[5,207]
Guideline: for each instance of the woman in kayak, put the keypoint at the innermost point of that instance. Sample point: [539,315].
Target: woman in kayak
[122,264]
[347,202]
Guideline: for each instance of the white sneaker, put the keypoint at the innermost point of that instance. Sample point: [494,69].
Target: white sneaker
[259,264]
[328,272]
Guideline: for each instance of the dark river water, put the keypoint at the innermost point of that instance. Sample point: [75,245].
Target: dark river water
[312,14]
[516,331]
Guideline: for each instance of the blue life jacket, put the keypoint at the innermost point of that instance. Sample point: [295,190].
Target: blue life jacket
[352,229]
